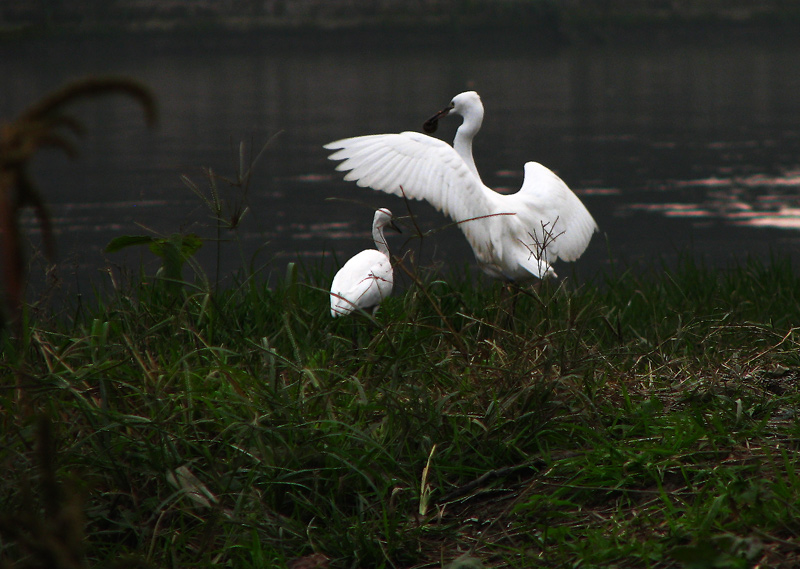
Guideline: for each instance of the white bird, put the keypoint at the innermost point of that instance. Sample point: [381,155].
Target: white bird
[367,278]
[514,237]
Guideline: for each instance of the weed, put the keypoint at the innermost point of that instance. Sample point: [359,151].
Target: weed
[642,420]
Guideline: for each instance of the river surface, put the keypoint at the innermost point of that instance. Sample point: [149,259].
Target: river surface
[676,145]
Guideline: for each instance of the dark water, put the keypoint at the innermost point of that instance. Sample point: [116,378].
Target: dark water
[674,144]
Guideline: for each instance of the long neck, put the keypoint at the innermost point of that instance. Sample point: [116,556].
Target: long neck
[463,140]
[380,240]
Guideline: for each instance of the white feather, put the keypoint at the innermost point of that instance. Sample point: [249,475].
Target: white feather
[366,278]
[514,237]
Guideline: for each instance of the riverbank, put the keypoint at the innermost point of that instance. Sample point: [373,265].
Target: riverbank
[648,422]
[587,19]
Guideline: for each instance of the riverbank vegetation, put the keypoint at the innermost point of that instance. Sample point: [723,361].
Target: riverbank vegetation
[643,420]
[640,419]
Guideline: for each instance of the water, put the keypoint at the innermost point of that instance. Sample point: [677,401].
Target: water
[674,144]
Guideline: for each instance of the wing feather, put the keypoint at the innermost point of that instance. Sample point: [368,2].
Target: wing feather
[425,167]
[513,236]
[554,213]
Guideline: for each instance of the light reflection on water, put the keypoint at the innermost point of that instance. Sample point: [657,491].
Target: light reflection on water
[670,145]
[758,200]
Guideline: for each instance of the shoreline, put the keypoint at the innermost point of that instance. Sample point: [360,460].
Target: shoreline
[541,22]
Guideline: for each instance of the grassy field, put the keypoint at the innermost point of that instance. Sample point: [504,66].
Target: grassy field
[645,419]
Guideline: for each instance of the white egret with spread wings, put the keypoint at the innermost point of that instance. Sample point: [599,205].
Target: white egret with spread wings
[515,237]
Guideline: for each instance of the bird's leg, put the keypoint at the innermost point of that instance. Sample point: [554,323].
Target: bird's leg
[375,327]
[505,316]
[354,334]
[514,289]
[499,316]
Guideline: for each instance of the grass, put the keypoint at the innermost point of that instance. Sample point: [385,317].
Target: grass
[646,419]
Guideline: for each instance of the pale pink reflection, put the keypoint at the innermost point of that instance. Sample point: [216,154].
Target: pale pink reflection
[673,209]
[784,218]
[312,178]
[757,200]
[334,230]
[598,191]
[789,179]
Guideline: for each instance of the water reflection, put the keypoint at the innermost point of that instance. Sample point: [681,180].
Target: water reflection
[758,200]
[688,141]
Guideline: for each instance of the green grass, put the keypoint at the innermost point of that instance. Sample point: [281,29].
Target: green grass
[648,419]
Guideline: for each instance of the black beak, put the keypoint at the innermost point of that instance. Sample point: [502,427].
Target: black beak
[394,226]
[432,123]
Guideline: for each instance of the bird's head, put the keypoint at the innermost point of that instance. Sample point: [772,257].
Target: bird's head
[383,218]
[464,104]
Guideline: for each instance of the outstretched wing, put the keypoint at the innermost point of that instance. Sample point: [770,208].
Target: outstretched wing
[553,213]
[415,165]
